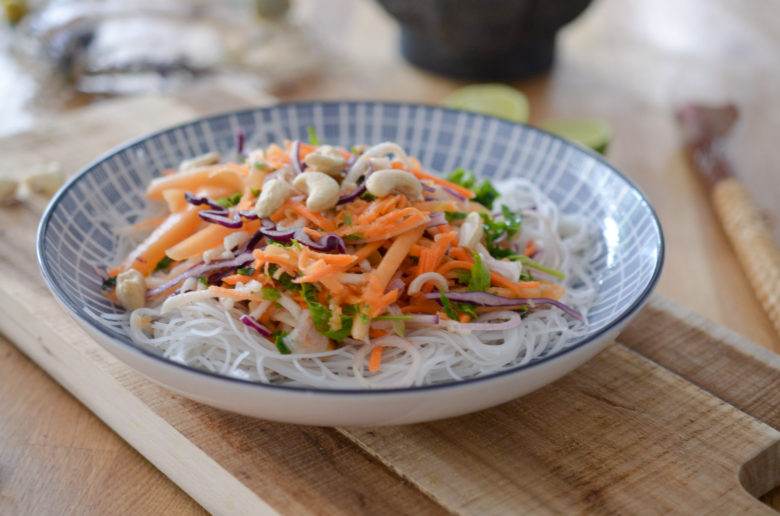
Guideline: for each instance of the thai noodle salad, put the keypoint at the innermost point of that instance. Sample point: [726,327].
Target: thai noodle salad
[315,265]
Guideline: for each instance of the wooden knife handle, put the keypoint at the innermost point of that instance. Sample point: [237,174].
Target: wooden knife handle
[752,243]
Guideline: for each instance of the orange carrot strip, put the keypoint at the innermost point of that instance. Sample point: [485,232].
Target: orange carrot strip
[436,179]
[319,220]
[367,250]
[207,238]
[229,292]
[195,179]
[176,226]
[398,250]
[376,355]
[455,264]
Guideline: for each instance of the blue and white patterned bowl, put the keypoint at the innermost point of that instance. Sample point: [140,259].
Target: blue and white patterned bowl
[75,237]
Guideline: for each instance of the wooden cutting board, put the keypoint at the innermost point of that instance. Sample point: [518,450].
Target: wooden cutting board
[679,416]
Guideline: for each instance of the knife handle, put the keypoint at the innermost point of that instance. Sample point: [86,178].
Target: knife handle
[751,241]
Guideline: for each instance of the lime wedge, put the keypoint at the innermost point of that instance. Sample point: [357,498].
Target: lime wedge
[490,99]
[590,132]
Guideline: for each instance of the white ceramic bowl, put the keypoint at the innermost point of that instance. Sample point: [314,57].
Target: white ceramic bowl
[75,237]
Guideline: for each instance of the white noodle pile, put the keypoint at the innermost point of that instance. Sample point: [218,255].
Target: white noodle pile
[207,335]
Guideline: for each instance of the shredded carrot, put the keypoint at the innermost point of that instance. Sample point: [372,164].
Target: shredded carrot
[465,192]
[236,294]
[375,361]
[319,220]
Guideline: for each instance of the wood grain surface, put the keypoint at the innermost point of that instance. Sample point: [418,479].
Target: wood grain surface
[630,62]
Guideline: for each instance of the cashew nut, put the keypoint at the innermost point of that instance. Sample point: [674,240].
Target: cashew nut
[272,196]
[210,158]
[326,159]
[389,181]
[131,289]
[471,231]
[322,189]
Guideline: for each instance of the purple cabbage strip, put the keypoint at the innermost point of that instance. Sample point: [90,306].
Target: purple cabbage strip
[222,218]
[437,219]
[352,196]
[197,201]
[262,330]
[427,188]
[486,299]
[326,242]
[198,270]
[453,193]
[240,138]
[295,157]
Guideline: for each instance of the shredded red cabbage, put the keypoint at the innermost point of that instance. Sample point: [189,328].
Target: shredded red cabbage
[352,196]
[295,157]
[197,201]
[222,218]
[262,330]
[486,299]
[199,270]
[240,138]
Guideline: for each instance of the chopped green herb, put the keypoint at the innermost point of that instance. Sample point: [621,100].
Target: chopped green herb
[294,243]
[321,315]
[278,337]
[480,275]
[447,305]
[163,264]
[348,220]
[203,281]
[354,236]
[255,192]
[496,230]
[526,276]
[464,276]
[313,139]
[109,283]
[261,166]
[462,177]
[466,309]
[486,194]
[538,266]
[287,282]
[228,202]
[271,294]
[368,197]
[246,271]
[393,318]
[452,216]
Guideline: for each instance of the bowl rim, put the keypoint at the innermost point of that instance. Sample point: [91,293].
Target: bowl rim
[624,316]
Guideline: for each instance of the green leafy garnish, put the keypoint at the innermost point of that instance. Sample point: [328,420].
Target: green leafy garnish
[246,271]
[480,275]
[313,139]
[203,281]
[393,318]
[368,196]
[464,276]
[278,337]
[163,264]
[466,309]
[452,216]
[255,192]
[461,176]
[109,283]
[228,202]
[354,236]
[271,293]
[348,220]
[497,230]
[447,305]
[486,194]
[287,282]
[538,266]
[261,166]
[321,315]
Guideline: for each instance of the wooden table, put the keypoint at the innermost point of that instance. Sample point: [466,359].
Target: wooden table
[627,62]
